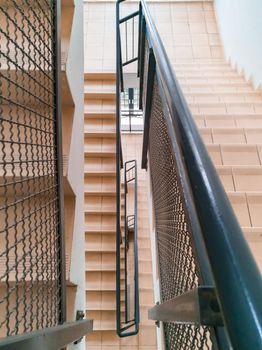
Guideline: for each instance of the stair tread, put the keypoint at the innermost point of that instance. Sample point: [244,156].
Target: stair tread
[100,172]
[99,95]
[95,133]
[107,154]
[100,193]
[102,231]
[99,114]
[100,211]
[100,76]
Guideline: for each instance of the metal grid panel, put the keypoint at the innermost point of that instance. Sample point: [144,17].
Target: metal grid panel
[177,264]
[30,288]
[146,63]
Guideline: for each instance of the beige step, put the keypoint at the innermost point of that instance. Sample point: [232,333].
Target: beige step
[226,120]
[206,64]
[247,207]
[95,76]
[103,222]
[99,184]
[104,193]
[99,144]
[91,114]
[220,88]
[90,172]
[238,108]
[100,211]
[93,133]
[101,300]
[146,281]
[235,155]
[241,178]
[197,73]
[102,259]
[101,106]
[103,320]
[231,135]
[187,81]
[221,97]
[102,203]
[99,164]
[97,95]
[100,85]
[100,125]
[105,269]
[99,231]
[99,154]
[108,340]
[197,68]
[254,238]
[101,281]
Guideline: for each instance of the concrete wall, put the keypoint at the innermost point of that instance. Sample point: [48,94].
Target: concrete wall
[241,32]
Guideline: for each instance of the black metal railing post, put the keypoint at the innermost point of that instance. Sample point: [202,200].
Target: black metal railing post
[59,158]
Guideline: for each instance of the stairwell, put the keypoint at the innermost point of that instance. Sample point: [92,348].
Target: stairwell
[228,113]
[100,220]
[226,107]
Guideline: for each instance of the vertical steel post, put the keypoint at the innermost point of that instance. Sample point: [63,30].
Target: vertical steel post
[59,157]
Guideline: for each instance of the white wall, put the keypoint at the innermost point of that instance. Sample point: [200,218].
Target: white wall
[75,73]
[241,32]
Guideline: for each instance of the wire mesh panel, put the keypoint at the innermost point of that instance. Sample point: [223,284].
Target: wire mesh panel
[30,276]
[144,77]
[177,264]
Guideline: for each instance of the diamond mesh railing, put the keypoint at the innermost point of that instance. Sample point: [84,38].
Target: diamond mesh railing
[30,251]
[178,266]
[32,258]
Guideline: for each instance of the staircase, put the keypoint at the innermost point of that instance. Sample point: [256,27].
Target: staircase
[100,211]
[146,339]
[100,208]
[228,113]
[225,106]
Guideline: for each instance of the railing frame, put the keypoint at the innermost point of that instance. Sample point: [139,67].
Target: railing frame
[128,180]
[237,279]
[122,331]
[52,338]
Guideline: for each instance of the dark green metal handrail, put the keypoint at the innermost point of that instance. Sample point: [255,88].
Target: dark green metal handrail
[236,276]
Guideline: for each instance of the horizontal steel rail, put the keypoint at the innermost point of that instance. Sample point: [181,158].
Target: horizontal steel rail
[198,307]
[237,278]
[52,338]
